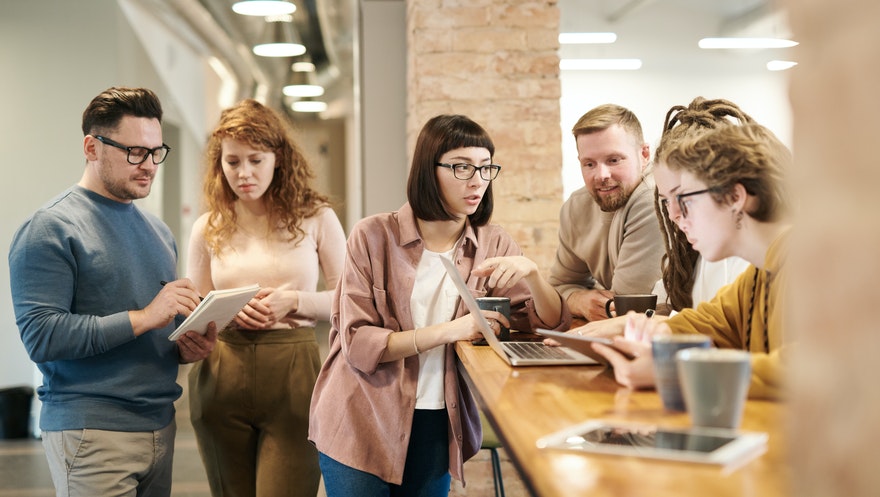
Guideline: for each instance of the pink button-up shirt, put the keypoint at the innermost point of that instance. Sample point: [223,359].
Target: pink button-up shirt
[362,410]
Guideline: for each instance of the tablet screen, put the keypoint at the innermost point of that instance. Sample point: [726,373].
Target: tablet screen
[649,437]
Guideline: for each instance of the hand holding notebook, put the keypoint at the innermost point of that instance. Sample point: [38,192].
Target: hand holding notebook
[219,306]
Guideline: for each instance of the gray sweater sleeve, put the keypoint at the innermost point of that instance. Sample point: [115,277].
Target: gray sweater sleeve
[44,269]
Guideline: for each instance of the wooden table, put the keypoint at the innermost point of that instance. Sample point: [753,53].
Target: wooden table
[526,403]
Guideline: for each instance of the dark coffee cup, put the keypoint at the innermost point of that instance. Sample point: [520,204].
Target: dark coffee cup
[497,304]
[626,303]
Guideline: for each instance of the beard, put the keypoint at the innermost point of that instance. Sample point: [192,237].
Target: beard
[121,188]
[613,202]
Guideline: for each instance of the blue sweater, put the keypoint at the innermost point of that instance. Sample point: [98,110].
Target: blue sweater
[77,266]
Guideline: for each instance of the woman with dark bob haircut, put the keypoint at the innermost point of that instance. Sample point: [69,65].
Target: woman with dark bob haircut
[390,414]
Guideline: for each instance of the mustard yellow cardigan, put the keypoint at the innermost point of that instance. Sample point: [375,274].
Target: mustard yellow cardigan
[725,318]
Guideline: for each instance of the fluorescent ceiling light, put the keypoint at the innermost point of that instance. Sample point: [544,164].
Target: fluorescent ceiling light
[747,43]
[600,64]
[263,7]
[303,90]
[586,38]
[302,67]
[780,65]
[279,49]
[309,106]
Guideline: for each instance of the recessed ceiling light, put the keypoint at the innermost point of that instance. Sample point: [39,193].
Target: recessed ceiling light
[745,43]
[586,38]
[263,7]
[780,65]
[600,64]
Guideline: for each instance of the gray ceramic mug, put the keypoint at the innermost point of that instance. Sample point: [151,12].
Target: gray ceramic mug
[663,350]
[497,304]
[715,384]
[626,303]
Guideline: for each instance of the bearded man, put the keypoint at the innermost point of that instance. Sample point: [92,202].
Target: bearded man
[609,238]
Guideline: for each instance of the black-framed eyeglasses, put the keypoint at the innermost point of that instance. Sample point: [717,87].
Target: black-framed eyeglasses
[137,155]
[684,204]
[465,171]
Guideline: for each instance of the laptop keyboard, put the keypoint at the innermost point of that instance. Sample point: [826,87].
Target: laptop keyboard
[535,350]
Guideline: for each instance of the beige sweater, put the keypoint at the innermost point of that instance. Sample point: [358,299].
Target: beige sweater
[618,251]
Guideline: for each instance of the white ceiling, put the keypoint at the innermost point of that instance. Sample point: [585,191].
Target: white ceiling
[664,33]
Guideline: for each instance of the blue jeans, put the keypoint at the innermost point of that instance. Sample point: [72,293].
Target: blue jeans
[426,473]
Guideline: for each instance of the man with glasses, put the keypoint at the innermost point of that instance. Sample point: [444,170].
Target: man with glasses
[86,272]
[609,238]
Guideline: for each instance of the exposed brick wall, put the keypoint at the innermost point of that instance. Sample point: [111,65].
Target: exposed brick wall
[497,62]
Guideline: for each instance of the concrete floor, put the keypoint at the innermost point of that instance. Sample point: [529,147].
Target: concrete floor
[25,473]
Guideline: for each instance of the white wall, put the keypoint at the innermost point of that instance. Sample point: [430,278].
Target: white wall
[762,94]
[49,77]
[56,55]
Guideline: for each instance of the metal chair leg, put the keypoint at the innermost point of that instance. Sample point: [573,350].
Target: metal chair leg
[496,472]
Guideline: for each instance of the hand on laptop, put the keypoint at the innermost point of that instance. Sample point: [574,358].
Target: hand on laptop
[467,327]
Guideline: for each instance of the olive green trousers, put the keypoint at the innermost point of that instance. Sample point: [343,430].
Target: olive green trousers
[249,404]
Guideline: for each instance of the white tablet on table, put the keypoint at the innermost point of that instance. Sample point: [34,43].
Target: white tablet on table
[689,444]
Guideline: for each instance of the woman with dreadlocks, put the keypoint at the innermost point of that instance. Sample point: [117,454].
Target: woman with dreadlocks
[689,279]
[731,201]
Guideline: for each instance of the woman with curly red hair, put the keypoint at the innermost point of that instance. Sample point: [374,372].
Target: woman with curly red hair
[264,224]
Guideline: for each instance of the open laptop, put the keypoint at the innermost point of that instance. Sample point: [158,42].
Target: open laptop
[514,353]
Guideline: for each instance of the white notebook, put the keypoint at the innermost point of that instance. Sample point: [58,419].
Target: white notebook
[219,306]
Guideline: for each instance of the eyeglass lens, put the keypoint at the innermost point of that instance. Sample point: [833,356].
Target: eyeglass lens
[683,202]
[137,155]
[467,171]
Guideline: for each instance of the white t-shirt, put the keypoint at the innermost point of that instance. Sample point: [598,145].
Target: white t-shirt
[710,277]
[432,302]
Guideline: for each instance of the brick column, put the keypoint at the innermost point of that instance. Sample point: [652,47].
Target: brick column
[832,317]
[496,61]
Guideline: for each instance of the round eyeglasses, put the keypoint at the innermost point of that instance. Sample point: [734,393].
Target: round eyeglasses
[137,155]
[466,171]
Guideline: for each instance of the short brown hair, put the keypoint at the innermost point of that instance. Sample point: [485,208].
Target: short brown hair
[106,110]
[605,116]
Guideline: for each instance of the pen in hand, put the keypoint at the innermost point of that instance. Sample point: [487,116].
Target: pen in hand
[163,283]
